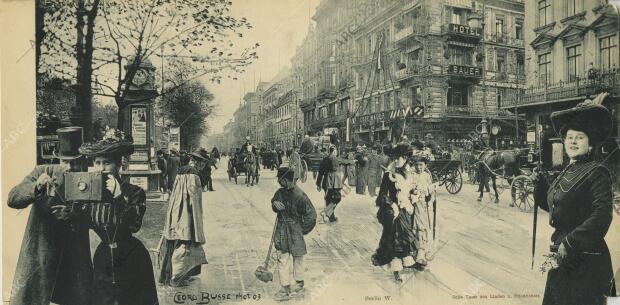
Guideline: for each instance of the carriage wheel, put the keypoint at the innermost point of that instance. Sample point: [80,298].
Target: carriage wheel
[453,181]
[522,192]
[303,176]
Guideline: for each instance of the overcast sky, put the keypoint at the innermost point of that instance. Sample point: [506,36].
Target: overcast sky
[279,27]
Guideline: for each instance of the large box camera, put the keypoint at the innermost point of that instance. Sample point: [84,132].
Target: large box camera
[84,186]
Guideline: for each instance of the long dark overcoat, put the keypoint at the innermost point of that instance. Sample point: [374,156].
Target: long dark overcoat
[398,239]
[579,202]
[54,261]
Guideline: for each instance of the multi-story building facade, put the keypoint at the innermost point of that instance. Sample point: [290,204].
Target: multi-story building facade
[378,59]
[571,54]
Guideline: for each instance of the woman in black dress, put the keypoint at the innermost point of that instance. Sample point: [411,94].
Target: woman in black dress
[579,202]
[123,272]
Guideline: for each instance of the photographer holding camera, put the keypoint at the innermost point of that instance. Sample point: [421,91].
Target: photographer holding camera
[54,263]
[123,271]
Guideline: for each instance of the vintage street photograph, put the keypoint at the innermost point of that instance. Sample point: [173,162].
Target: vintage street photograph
[311,152]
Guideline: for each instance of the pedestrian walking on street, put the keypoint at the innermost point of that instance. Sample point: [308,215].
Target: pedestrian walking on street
[296,218]
[423,195]
[376,162]
[174,163]
[295,161]
[580,207]
[54,263]
[123,271]
[330,181]
[162,166]
[182,255]
[397,245]
[361,170]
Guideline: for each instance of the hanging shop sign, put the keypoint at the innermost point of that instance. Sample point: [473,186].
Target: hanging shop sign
[464,30]
[389,115]
[464,70]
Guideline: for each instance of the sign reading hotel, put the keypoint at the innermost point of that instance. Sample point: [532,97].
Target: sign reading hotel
[464,30]
[464,70]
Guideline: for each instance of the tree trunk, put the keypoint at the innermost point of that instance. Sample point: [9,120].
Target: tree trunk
[84,55]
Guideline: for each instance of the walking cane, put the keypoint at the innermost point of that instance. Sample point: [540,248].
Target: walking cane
[434,211]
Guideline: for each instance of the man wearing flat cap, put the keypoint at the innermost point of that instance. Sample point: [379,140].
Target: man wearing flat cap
[54,263]
[296,218]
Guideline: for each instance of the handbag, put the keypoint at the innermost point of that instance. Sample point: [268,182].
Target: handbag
[262,272]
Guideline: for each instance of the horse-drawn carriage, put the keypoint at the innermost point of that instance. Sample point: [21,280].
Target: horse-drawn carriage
[311,155]
[243,163]
[448,173]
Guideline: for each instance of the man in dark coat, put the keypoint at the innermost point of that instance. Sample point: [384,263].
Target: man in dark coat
[54,263]
[361,170]
[296,218]
[330,180]
[174,162]
[162,165]
[376,162]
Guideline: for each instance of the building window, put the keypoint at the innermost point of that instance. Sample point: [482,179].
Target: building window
[459,56]
[457,16]
[501,63]
[387,101]
[573,8]
[457,95]
[573,62]
[544,12]
[499,25]
[519,29]
[415,99]
[609,53]
[544,69]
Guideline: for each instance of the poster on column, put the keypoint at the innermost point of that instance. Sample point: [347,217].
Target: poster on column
[138,125]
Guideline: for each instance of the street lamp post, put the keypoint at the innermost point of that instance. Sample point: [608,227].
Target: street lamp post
[477,19]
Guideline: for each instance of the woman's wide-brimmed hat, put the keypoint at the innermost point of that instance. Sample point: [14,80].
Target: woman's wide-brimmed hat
[69,141]
[589,116]
[401,149]
[200,154]
[114,142]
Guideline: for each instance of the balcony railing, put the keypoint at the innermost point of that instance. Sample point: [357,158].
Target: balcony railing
[408,72]
[579,87]
[504,39]
[403,33]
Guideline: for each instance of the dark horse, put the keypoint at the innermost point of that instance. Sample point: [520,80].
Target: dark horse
[250,163]
[492,163]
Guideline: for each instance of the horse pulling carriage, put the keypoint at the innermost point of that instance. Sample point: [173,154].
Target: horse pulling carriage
[243,163]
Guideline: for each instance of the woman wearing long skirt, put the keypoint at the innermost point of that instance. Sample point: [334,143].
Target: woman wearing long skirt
[182,255]
[579,202]
[123,271]
[397,246]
